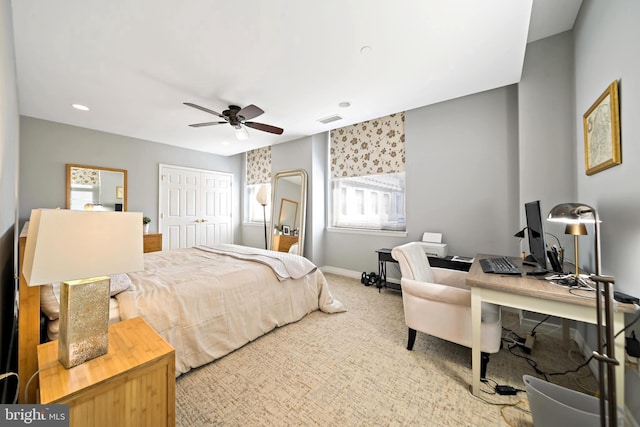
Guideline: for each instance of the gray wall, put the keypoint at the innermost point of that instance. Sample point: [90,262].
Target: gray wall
[9,147]
[46,147]
[546,130]
[606,36]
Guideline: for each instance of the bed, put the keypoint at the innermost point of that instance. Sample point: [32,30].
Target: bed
[204,301]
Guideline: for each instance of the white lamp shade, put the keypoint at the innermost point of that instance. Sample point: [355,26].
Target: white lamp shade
[263,195]
[65,245]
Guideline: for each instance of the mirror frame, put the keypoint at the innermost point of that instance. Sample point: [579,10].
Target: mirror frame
[295,214]
[302,205]
[124,172]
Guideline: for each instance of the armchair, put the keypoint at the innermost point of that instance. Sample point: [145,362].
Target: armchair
[437,302]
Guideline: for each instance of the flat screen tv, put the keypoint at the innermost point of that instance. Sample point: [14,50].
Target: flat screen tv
[537,247]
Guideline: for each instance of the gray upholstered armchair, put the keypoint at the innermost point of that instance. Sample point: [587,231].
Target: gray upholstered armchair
[437,301]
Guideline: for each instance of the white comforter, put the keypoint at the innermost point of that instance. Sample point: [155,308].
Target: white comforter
[206,304]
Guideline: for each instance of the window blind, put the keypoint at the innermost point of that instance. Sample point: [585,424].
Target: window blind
[259,166]
[373,147]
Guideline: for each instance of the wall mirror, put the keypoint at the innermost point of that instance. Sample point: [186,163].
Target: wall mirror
[97,188]
[288,209]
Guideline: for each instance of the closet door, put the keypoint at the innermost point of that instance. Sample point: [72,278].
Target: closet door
[194,207]
[215,209]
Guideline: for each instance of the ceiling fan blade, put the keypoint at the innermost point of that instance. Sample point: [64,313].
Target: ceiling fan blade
[206,110]
[250,111]
[199,125]
[264,128]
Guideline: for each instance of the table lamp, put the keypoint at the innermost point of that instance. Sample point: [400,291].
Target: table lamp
[263,198]
[576,230]
[81,249]
[579,214]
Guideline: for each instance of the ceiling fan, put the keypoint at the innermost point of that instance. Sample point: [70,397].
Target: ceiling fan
[237,117]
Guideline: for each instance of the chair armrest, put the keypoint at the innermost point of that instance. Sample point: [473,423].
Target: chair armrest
[436,292]
[450,277]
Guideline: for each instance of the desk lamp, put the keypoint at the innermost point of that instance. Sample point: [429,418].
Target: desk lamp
[576,230]
[263,198]
[81,249]
[580,214]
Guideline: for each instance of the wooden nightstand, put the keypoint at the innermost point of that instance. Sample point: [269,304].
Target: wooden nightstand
[132,385]
[152,242]
[282,243]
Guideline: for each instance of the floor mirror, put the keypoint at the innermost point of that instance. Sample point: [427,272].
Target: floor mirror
[288,211]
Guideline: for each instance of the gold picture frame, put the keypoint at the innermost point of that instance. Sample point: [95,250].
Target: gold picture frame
[602,132]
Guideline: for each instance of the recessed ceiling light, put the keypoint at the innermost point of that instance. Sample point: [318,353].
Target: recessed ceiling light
[80,107]
[364,50]
[344,104]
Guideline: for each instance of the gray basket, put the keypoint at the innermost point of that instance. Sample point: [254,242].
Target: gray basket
[554,405]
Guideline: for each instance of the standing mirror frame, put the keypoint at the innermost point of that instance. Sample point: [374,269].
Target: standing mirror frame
[103,188]
[288,211]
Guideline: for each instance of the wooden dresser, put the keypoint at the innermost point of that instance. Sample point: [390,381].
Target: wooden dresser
[282,243]
[152,242]
[132,385]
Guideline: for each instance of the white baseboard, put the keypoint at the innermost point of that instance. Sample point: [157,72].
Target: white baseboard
[350,273]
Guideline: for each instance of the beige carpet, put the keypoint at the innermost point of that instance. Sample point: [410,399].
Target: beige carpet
[352,369]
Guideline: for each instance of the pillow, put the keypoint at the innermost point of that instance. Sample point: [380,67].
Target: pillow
[50,294]
[119,282]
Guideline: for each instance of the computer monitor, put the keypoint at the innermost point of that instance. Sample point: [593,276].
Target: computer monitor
[537,247]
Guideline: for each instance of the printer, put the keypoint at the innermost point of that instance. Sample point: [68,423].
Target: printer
[432,245]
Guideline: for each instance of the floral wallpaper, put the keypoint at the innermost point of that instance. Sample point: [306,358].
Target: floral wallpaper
[85,176]
[259,166]
[372,147]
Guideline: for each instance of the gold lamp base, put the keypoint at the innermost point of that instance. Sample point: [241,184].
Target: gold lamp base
[84,320]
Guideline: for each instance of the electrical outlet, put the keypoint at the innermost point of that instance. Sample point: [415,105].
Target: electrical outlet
[528,343]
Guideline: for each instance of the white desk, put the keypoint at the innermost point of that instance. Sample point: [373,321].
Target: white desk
[529,293]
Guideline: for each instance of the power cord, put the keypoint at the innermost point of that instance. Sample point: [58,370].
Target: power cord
[516,405]
[12,374]
[26,387]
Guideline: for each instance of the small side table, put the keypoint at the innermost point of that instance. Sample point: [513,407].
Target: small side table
[133,384]
[152,242]
[384,256]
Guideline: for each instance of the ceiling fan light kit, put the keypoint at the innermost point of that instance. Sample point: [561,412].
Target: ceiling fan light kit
[237,117]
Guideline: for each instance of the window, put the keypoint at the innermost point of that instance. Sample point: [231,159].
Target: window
[367,181]
[254,211]
[351,211]
[258,168]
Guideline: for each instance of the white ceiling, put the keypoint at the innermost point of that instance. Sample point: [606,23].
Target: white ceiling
[134,62]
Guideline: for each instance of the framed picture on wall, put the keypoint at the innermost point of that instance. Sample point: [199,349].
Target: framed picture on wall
[602,132]
[286,230]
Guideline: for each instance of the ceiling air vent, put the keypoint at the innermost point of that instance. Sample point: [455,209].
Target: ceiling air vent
[330,119]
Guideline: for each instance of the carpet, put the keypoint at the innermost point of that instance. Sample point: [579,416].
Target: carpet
[353,369]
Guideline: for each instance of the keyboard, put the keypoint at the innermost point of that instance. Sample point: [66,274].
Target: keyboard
[502,265]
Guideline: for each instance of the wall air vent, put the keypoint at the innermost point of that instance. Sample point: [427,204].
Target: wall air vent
[330,119]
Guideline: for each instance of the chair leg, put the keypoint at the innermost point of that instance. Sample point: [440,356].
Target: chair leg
[412,339]
[484,361]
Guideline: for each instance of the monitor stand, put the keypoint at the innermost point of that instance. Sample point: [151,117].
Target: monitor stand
[530,260]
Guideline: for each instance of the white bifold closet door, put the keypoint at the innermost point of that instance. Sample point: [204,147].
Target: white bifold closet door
[195,207]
